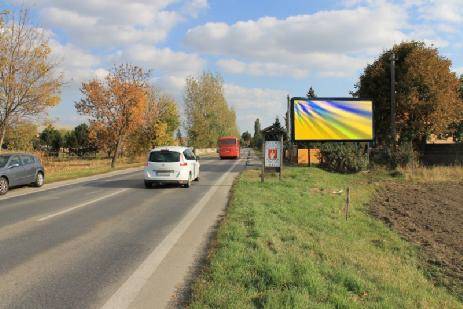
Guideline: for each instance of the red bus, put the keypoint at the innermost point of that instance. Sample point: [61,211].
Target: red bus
[229,147]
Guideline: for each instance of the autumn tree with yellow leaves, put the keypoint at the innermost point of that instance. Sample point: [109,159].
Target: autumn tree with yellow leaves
[160,120]
[427,93]
[29,83]
[116,106]
[208,115]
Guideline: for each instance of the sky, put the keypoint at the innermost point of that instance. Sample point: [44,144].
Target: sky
[264,49]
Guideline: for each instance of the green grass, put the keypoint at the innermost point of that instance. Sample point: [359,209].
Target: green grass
[287,244]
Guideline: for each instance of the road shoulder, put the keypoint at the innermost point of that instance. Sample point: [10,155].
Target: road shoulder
[174,273]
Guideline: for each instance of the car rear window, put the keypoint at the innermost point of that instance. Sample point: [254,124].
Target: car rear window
[164,156]
[227,142]
[3,160]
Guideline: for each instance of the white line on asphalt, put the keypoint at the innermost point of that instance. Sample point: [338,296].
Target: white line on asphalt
[81,205]
[129,290]
[67,183]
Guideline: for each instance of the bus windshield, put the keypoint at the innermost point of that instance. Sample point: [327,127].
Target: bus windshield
[227,142]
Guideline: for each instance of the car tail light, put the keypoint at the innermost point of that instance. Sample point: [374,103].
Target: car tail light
[183,164]
[146,164]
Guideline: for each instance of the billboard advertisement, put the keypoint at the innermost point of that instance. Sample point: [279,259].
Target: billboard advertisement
[331,119]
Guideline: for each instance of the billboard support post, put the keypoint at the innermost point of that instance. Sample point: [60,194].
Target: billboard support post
[393,105]
[291,153]
[281,156]
[262,175]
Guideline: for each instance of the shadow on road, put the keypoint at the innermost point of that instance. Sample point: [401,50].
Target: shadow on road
[118,184]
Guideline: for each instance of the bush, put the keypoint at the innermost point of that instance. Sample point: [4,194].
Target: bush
[403,156]
[344,157]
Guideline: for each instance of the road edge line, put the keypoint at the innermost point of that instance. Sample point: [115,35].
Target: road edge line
[129,290]
[70,182]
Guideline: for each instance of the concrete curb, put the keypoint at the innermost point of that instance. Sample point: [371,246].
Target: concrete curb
[65,183]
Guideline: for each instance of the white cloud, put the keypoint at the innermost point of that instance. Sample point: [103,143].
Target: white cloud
[234,66]
[94,35]
[76,64]
[109,23]
[164,59]
[169,68]
[193,7]
[108,31]
[327,43]
[334,31]
[441,10]
[252,103]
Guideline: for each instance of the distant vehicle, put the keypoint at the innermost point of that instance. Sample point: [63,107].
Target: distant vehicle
[17,169]
[229,147]
[171,164]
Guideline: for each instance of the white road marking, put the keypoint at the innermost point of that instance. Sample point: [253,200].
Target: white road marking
[81,205]
[129,290]
[66,183]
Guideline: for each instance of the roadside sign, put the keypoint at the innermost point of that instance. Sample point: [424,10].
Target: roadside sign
[272,154]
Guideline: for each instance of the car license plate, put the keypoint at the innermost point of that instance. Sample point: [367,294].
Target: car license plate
[163,173]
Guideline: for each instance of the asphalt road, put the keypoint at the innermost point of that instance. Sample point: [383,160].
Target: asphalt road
[75,246]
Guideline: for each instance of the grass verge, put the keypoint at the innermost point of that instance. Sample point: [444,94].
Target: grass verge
[72,169]
[433,174]
[287,244]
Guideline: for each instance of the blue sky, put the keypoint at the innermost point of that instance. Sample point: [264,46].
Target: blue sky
[263,49]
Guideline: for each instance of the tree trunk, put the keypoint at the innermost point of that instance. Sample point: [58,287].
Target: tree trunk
[116,152]
[114,159]
[2,136]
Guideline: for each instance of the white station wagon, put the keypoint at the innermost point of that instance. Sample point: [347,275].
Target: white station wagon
[171,164]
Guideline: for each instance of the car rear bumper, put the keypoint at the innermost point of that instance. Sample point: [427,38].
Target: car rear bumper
[167,182]
[176,176]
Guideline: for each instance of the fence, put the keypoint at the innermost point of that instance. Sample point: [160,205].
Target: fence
[443,154]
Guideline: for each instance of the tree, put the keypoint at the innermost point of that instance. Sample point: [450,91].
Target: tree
[258,139]
[70,140]
[115,105]
[51,139]
[21,136]
[179,137]
[29,83]
[81,133]
[311,93]
[160,121]
[456,128]
[246,139]
[78,140]
[277,123]
[208,115]
[427,93]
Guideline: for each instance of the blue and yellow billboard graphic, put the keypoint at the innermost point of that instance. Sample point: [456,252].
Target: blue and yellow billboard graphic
[332,119]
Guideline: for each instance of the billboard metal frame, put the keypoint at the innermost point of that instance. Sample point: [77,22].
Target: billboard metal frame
[291,112]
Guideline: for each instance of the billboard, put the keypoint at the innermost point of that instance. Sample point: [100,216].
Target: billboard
[331,119]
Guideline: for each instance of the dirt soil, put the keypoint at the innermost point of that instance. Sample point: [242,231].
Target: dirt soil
[430,215]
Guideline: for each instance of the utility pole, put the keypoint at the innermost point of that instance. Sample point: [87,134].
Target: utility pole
[393,104]
[288,117]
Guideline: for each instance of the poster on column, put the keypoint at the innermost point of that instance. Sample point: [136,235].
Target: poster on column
[272,154]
